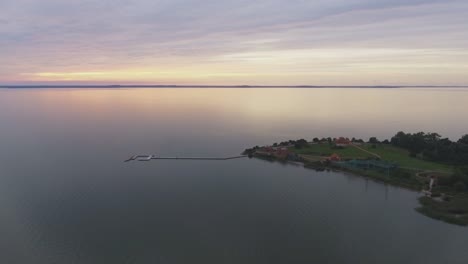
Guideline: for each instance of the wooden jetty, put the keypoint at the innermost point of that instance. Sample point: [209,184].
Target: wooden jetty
[154,157]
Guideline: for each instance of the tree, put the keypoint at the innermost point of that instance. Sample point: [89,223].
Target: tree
[418,143]
[401,139]
[431,146]
[301,143]
[373,140]
[315,140]
[463,140]
[432,137]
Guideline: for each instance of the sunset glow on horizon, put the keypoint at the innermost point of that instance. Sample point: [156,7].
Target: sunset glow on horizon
[356,42]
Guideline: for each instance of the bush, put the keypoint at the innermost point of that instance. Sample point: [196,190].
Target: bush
[460,186]
[444,181]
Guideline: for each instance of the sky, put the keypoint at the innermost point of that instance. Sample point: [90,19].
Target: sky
[234,42]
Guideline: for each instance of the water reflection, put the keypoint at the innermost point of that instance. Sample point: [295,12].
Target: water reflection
[278,113]
[67,197]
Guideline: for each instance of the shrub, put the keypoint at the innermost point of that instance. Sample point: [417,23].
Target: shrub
[444,181]
[459,186]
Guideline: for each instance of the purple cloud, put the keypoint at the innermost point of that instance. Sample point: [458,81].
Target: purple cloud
[71,36]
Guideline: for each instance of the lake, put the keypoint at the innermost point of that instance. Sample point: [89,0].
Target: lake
[66,196]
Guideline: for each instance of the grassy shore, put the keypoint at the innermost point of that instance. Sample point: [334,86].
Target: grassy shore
[452,210]
[399,177]
[386,152]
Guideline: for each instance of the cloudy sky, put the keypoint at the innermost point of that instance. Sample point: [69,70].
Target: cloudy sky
[271,42]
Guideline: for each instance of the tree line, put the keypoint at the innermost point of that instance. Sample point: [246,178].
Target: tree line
[431,146]
[427,146]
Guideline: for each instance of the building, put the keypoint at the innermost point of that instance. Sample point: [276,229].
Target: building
[281,153]
[334,157]
[277,152]
[342,142]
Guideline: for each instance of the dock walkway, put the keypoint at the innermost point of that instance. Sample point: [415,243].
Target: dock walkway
[154,157]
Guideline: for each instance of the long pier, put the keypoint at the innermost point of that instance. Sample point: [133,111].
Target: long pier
[154,157]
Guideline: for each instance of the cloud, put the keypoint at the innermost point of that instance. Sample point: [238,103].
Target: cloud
[224,37]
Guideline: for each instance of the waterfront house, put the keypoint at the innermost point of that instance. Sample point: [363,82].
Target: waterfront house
[282,153]
[342,142]
[334,157]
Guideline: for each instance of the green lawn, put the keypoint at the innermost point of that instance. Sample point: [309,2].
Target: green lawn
[387,152]
[454,211]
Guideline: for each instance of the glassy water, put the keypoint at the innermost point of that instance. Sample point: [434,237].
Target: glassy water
[67,197]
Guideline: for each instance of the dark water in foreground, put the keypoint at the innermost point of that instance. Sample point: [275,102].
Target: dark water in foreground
[67,197]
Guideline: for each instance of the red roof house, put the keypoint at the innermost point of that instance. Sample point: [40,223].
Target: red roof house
[334,157]
[342,142]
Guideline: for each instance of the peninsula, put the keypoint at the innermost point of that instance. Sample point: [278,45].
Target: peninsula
[425,162]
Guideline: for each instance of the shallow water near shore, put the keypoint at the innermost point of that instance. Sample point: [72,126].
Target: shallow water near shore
[66,196]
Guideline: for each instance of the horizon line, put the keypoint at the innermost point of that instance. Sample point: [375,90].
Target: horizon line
[220,86]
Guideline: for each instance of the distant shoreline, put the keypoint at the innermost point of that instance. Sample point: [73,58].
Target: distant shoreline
[228,86]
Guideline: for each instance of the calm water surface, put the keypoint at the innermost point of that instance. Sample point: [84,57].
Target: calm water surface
[67,197]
